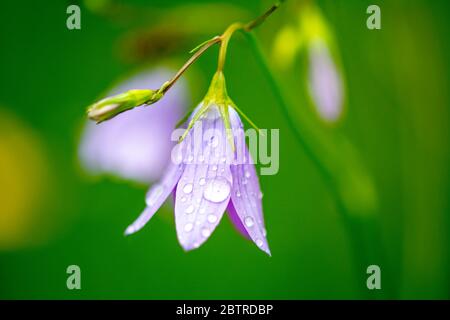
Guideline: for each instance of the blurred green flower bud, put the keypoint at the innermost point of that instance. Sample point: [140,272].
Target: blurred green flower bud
[110,107]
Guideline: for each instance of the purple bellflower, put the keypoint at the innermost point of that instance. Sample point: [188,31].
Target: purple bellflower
[211,172]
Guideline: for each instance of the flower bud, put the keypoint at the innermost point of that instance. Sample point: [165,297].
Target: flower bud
[108,108]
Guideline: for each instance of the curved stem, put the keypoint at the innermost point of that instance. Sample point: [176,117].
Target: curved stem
[203,47]
[188,63]
[253,24]
[225,39]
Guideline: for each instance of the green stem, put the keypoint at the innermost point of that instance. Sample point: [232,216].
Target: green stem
[225,39]
[334,159]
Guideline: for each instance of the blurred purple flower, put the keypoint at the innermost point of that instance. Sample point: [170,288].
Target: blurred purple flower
[207,178]
[136,144]
[325,83]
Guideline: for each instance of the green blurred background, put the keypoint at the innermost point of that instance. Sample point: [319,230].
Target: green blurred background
[52,214]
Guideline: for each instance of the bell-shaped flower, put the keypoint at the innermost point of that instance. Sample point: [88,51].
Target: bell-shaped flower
[211,172]
[314,38]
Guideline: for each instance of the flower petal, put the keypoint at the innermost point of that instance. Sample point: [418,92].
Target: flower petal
[156,196]
[325,84]
[246,194]
[204,189]
[136,144]
[232,214]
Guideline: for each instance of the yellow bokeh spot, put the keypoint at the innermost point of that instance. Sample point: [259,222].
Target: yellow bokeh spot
[23,183]
[313,24]
[287,43]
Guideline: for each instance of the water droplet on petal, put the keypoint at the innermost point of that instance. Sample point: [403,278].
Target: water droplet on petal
[206,232]
[201,158]
[201,211]
[213,141]
[259,243]
[178,159]
[190,209]
[247,174]
[188,227]
[154,195]
[249,222]
[260,195]
[188,188]
[238,194]
[245,181]
[217,190]
[183,199]
[202,181]
[212,218]
[264,232]
[214,168]
[190,158]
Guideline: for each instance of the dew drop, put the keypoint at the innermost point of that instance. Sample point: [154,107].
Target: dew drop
[201,211]
[213,141]
[214,168]
[212,218]
[190,209]
[238,194]
[247,174]
[188,227]
[178,159]
[264,232]
[260,195]
[217,190]
[190,158]
[202,181]
[188,188]
[206,232]
[249,222]
[183,199]
[201,158]
[259,243]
